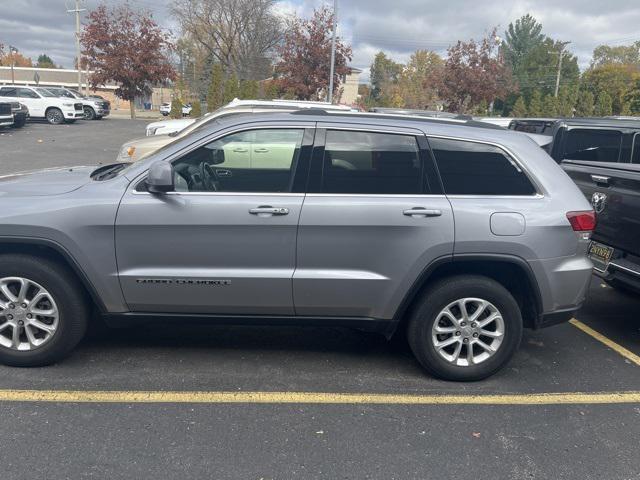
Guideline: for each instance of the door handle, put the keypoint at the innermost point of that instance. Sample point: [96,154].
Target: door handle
[240,150]
[600,179]
[422,212]
[222,172]
[268,210]
[261,150]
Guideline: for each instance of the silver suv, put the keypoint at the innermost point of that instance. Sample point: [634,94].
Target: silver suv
[457,233]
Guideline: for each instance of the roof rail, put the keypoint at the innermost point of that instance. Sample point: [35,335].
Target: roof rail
[459,120]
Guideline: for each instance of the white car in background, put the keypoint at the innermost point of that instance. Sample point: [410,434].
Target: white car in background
[165,109]
[94,108]
[165,127]
[139,148]
[44,104]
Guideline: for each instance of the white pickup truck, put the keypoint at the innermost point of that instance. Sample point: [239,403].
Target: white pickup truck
[44,104]
[94,108]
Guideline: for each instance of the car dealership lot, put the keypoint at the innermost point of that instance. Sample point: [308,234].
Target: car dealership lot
[517,431]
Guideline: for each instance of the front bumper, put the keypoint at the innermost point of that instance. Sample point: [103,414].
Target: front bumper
[74,114]
[6,121]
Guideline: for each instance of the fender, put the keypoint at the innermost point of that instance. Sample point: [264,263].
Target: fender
[66,256]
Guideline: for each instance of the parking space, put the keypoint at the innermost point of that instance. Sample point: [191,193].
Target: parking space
[113,403]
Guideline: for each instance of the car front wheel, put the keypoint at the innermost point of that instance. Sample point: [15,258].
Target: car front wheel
[89,113]
[465,328]
[54,116]
[43,312]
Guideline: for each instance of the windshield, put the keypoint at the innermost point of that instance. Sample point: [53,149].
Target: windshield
[45,93]
[207,117]
[61,92]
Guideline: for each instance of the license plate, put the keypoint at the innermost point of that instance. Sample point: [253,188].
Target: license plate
[600,255]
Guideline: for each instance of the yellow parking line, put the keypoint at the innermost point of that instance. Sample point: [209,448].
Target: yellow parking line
[629,355]
[80,396]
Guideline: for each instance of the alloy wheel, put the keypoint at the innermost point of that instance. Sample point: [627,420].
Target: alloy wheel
[28,314]
[468,331]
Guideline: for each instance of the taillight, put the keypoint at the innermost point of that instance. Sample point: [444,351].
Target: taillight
[582,221]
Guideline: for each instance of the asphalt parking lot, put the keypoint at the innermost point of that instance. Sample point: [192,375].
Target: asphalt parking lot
[283,403]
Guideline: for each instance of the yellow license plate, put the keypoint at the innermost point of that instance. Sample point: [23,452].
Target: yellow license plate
[600,255]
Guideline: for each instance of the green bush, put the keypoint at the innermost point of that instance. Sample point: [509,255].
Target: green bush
[176,108]
[196,109]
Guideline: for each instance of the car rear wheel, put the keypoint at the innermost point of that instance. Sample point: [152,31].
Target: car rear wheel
[89,113]
[465,328]
[54,116]
[43,312]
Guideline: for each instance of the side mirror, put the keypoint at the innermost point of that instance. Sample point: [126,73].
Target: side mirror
[160,178]
[218,156]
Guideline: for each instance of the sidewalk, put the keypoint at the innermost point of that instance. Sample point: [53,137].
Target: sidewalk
[140,114]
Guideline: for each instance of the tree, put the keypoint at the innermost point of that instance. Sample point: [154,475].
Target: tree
[474,73]
[585,104]
[614,79]
[196,109]
[44,61]
[231,88]
[603,105]
[248,90]
[519,108]
[384,74]
[520,39]
[419,82]
[535,104]
[239,34]
[622,54]
[176,108]
[550,106]
[567,98]
[15,58]
[633,98]
[305,56]
[215,95]
[128,48]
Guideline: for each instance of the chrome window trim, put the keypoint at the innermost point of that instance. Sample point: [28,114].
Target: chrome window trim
[377,195]
[224,194]
[540,193]
[633,148]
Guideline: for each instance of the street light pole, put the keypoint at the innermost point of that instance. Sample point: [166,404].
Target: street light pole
[333,51]
[12,50]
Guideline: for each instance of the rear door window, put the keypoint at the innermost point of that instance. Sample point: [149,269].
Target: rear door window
[371,163]
[470,168]
[593,145]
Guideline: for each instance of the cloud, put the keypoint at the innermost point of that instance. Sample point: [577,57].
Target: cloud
[399,27]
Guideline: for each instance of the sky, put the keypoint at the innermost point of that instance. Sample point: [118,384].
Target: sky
[397,27]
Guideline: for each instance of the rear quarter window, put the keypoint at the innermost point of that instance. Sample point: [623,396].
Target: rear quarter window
[471,168]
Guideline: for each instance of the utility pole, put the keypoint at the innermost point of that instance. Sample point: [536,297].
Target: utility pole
[77,11]
[333,50]
[560,54]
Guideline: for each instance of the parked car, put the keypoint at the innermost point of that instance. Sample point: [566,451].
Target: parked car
[503,122]
[166,127]
[374,222]
[139,148]
[596,140]
[94,108]
[540,126]
[614,191]
[20,114]
[6,114]
[44,104]
[165,109]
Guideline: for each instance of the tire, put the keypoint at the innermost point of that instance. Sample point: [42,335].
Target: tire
[443,294]
[54,116]
[68,300]
[89,113]
[69,121]
[20,123]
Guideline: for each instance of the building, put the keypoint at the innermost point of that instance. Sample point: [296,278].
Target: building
[349,85]
[59,77]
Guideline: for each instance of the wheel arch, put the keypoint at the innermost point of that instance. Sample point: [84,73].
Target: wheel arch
[45,248]
[512,272]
